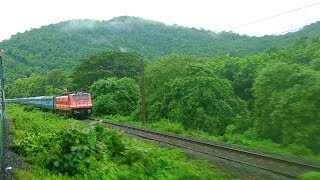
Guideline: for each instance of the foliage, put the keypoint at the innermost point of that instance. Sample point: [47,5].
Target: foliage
[79,147]
[249,138]
[35,85]
[191,94]
[26,87]
[241,72]
[205,103]
[57,79]
[287,104]
[81,152]
[310,176]
[63,44]
[105,65]
[269,100]
[115,96]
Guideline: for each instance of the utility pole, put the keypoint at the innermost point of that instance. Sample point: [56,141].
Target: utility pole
[143,100]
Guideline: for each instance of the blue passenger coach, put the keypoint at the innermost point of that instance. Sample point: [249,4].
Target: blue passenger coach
[44,102]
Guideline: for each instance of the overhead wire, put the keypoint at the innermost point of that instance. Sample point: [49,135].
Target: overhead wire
[271,17]
[257,42]
[287,31]
[274,16]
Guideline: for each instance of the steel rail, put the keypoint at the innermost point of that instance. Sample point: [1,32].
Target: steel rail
[291,167]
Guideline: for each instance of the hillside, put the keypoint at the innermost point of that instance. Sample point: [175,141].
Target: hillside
[62,45]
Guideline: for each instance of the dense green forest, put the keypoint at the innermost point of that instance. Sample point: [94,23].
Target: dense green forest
[266,89]
[62,45]
[271,95]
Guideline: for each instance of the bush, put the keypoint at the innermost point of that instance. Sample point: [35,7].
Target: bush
[77,148]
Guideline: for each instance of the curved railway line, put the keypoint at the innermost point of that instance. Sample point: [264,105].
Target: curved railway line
[282,166]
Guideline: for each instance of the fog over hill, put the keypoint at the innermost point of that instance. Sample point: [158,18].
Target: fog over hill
[63,44]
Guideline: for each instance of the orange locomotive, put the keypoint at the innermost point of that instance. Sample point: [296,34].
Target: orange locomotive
[77,105]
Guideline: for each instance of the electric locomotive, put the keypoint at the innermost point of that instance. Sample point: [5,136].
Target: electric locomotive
[73,104]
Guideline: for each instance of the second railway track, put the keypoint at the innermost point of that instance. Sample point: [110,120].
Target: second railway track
[282,165]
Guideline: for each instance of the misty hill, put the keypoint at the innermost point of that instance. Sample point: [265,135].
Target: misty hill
[62,45]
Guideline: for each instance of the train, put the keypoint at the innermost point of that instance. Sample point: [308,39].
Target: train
[77,105]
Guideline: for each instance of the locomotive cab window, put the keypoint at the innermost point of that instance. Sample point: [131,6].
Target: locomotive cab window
[76,97]
[85,96]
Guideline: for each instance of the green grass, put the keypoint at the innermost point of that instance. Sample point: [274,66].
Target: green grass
[310,176]
[248,139]
[57,147]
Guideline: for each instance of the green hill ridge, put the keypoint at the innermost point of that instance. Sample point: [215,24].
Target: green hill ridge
[63,44]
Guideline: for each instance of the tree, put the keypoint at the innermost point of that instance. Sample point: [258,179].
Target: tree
[104,65]
[27,87]
[114,96]
[205,103]
[188,92]
[287,104]
[57,79]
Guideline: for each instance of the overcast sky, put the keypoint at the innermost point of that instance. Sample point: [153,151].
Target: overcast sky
[216,15]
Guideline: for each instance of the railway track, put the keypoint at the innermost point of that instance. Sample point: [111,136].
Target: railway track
[273,163]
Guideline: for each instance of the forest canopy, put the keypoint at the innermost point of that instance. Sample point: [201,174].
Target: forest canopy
[271,94]
[62,45]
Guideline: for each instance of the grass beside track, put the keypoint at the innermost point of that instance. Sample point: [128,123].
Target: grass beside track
[56,147]
[248,139]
